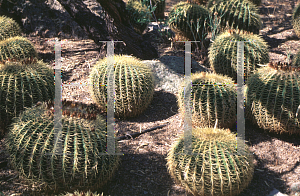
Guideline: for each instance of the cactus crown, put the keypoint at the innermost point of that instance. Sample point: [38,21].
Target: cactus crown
[8,28]
[214,166]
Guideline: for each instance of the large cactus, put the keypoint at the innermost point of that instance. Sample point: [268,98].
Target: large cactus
[273,98]
[296,20]
[134,85]
[74,158]
[213,97]
[189,20]
[139,15]
[17,49]
[237,14]
[23,86]
[214,165]
[8,28]
[223,53]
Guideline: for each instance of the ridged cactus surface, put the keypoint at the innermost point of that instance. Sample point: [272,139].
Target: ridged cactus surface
[8,28]
[189,20]
[134,85]
[273,98]
[223,53]
[16,49]
[78,162]
[237,14]
[210,3]
[296,20]
[213,97]
[296,59]
[139,15]
[23,86]
[214,167]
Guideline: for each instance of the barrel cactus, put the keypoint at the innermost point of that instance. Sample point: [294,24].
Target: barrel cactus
[139,15]
[23,86]
[296,59]
[17,49]
[74,158]
[296,20]
[77,193]
[211,3]
[215,165]
[273,98]
[213,97]
[237,14]
[134,85]
[8,28]
[189,20]
[223,53]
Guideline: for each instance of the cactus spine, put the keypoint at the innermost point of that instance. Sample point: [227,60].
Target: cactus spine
[273,98]
[189,20]
[214,167]
[8,28]
[78,162]
[77,193]
[213,98]
[223,53]
[134,85]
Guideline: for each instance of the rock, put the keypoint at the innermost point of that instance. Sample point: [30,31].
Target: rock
[275,192]
[295,188]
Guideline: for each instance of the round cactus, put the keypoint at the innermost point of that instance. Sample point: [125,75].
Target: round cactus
[273,98]
[237,14]
[77,193]
[213,97]
[74,158]
[17,49]
[134,85]
[189,20]
[215,165]
[8,28]
[23,86]
[223,53]
[296,59]
[139,15]
[296,20]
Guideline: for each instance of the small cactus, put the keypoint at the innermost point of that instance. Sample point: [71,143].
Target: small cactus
[160,6]
[296,20]
[17,49]
[23,86]
[8,28]
[273,98]
[214,166]
[139,15]
[237,14]
[189,20]
[73,159]
[213,98]
[134,85]
[77,193]
[223,53]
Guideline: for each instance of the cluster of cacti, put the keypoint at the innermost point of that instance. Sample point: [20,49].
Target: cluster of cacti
[223,53]
[214,166]
[189,20]
[77,193]
[74,158]
[213,98]
[273,98]
[139,15]
[23,86]
[8,28]
[17,49]
[237,14]
[296,20]
[134,85]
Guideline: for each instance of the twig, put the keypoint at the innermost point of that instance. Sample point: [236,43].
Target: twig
[134,135]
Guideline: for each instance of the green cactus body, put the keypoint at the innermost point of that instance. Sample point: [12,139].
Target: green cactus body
[134,85]
[296,59]
[214,167]
[273,100]
[8,28]
[22,86]
[237,14]
[16,49]
[211,3]
[296,20]
[223,53]
[213,98]
[139,15]
[78,162]
[189,20]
